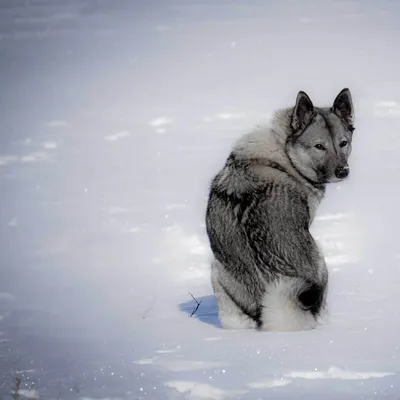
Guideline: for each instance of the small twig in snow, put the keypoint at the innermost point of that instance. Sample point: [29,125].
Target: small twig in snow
[17,388]
[197,305]
[150,308]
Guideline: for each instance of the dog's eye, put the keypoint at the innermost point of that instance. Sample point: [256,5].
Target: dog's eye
[343,143]
[319,147]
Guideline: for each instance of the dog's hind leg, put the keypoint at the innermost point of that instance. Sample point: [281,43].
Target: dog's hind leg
[230,314]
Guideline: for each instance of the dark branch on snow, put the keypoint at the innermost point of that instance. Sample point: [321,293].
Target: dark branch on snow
[17,388]
[197,305]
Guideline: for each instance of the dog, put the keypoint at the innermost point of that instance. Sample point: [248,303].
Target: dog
[267,272]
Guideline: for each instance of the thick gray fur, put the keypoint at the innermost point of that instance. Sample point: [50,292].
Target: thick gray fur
[268,272]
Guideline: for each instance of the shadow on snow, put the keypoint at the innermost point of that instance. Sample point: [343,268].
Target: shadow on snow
[207,311]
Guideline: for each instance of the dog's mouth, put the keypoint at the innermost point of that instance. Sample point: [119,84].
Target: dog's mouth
[335,179]
[338,175]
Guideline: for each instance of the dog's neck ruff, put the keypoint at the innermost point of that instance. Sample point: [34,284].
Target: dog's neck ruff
[315,185]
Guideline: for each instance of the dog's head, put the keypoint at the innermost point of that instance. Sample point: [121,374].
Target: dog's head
[319,143]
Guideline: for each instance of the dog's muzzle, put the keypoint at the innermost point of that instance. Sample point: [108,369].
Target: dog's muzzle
[341,172]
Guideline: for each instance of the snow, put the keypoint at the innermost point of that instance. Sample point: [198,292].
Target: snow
[114,117]
[117,136]
[161,121]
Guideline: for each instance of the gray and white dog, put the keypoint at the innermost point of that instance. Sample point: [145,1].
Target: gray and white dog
[267,272]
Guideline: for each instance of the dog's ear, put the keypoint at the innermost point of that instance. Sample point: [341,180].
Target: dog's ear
[303,111]
[343,106]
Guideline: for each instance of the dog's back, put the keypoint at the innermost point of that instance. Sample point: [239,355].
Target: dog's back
[268,272]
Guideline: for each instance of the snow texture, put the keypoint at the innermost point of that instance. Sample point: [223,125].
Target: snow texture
[114,117]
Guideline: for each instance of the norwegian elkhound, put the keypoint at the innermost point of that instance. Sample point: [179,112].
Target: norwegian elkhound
[267,272]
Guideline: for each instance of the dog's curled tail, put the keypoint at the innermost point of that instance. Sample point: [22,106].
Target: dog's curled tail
[292,304]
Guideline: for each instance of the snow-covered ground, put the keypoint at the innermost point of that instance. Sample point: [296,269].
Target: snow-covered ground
[114,117]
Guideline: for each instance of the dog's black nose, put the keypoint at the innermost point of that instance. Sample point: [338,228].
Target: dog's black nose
[341,172]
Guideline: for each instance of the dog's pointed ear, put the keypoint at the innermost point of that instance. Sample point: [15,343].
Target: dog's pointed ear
[343,106]
[303,111]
